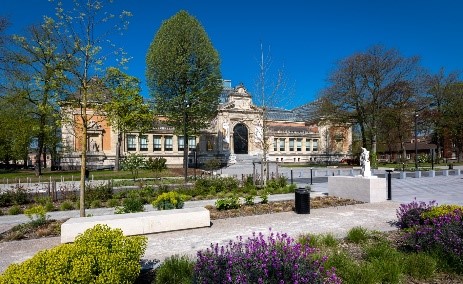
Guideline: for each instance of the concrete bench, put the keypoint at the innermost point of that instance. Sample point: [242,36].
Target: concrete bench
[140,223]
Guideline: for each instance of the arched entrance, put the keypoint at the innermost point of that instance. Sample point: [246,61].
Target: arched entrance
[240,139]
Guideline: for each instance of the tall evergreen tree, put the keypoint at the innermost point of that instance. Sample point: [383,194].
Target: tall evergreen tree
[183,75]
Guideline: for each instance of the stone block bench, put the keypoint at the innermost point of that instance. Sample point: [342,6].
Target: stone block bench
[139,223]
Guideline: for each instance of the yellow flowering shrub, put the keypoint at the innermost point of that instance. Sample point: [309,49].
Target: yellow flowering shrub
[100,255]
[441,210]
[169,200]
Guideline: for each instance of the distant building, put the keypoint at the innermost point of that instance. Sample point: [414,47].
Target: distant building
[291,136]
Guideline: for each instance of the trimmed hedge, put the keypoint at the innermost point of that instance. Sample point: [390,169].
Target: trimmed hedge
[100,255]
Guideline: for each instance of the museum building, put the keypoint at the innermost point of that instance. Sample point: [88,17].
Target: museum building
[240,129]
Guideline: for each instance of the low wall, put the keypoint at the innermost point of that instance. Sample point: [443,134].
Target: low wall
[359,188]
[139,223]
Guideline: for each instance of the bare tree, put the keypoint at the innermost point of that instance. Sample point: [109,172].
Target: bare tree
[365,84]
[272,92]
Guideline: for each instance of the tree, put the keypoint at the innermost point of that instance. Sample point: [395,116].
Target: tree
[365,84]
[125,109]
[16,124]
[133,162]
[271,92]
[183,75]
[452,114]
[85,33]
[35,74]
[440,92]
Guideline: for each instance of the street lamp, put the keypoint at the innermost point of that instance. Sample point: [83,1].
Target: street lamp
[416,146]
[185,138]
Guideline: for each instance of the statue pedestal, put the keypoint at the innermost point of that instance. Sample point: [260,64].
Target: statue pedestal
[366,189]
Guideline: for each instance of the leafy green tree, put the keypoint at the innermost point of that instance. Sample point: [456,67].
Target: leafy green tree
[440,92]
[133,162]
[35,75]
[16,133]
[183,75]
[453,116]
[85,32]
[125,109]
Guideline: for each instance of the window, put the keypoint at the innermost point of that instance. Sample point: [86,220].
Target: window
[144,143]
[315,145]
[275,144]
[191,143]
[299,145]
[291,144]
[282,144]
[156,143]
[307,145]
[181,143]
[168,143]
[131,143]
[210,144]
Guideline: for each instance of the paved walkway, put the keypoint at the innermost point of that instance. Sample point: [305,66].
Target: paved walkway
[337,220]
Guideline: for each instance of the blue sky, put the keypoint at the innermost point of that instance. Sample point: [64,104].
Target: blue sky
[306,37]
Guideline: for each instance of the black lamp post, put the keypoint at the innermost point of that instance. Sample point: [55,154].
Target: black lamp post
[416,146]
[185,138]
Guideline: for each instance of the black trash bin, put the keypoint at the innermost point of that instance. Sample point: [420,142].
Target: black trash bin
[451,166]
[302,199]
[87,174]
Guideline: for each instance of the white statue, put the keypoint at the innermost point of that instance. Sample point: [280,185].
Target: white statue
[365,163]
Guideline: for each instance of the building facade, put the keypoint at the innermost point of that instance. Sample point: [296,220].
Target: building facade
[240,128]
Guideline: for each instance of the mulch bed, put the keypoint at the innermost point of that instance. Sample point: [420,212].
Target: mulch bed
[277,207]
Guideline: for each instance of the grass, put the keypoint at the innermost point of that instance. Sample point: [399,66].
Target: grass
[375,259]
[23,175]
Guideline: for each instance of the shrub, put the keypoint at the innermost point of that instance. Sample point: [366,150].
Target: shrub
[175,270]
[264,197]
[206,185]
[131,204]
[442,236]
[113,203]
[95,204]
[19,195]
[212,164]
[66,206]
[249,200]
[6,198]
[98,192]
[357,235]
[49,206]
[169,200]
[133,162]
[275,259]
[227,203]
[279,182]
[100,255]
[157,165]
[36,214]
[409,215]
[441,210]
[15,210]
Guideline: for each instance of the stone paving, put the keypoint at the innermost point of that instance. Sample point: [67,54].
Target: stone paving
[337,220]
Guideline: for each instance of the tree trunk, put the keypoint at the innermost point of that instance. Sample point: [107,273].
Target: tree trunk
[118,152]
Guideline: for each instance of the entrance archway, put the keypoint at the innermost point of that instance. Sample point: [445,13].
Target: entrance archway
[240,139]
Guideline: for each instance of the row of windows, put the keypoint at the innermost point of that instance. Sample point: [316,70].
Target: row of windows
[295,144]
[168,143]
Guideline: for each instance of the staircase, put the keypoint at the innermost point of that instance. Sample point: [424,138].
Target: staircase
[245,159]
